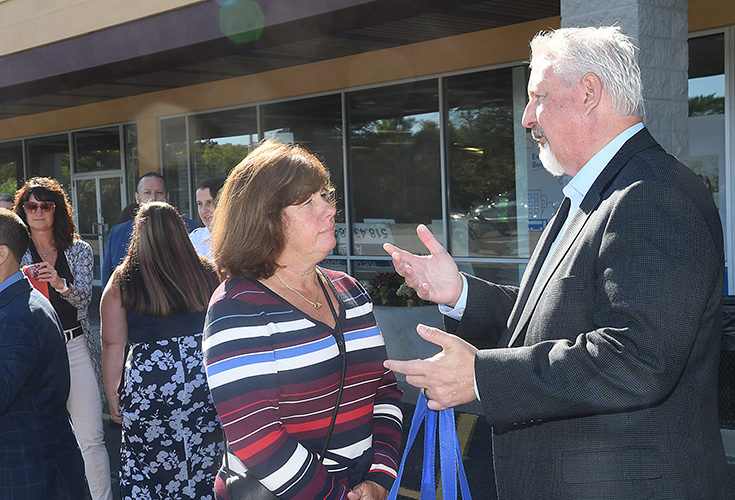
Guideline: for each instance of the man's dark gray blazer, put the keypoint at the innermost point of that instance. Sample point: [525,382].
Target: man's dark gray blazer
[603,385]
[39,456]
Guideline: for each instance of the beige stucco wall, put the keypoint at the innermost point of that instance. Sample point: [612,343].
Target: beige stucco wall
[25,24]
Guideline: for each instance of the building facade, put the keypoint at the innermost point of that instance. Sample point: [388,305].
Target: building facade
[414,106]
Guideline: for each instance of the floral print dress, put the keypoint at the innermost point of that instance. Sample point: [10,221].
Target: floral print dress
[171,439]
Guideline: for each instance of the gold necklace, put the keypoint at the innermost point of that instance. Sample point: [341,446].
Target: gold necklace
[45,254]
[316,304]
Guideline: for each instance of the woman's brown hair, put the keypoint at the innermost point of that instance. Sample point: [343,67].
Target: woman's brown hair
[248,233]
[47,189]
[162,274]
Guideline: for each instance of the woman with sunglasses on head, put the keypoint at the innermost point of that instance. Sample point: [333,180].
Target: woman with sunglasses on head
[64,263]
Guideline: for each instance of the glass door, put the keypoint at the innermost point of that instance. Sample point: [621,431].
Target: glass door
[99,200]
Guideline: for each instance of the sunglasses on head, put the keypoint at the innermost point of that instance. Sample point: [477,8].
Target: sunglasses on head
[31,207]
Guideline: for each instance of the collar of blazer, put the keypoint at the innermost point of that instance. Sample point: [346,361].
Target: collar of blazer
[13,290]
[531,290]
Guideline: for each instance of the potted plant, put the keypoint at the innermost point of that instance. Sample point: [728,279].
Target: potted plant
[390,289]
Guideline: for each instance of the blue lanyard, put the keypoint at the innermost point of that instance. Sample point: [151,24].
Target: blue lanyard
[450,455]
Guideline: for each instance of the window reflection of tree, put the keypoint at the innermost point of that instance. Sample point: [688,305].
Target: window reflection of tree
[11,166]
[481,157]
[705,105]
[397,174]
[216,160]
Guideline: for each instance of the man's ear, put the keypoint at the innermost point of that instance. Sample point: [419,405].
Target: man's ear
[5,253]
[593,91]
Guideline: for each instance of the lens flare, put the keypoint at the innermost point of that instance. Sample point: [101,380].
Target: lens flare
[242,21]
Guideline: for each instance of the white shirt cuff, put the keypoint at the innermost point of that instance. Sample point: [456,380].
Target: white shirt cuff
[457,311]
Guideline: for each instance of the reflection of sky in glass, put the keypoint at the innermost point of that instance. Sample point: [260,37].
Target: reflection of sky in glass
[238,140]
[280,135]
[707,85]
[432,117]
[422,117]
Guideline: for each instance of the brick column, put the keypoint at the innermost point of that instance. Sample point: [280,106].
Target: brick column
[659,29]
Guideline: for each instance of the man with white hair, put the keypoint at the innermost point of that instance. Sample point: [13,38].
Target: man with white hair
[603,381]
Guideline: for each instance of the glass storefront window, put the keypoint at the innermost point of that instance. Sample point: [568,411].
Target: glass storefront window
[220,140]
[496,195]
[501,273]
[707,116]
[11,166]
[364,269]
[315,124]
[484,208]
[334,264]
[97,150]
[395,167]
[49,157]
[175,163]
[500,196]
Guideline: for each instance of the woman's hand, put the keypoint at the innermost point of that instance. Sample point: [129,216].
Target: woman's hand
[47,273]
[114,404]
[367,490]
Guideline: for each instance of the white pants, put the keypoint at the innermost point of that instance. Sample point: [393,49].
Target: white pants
[85,407]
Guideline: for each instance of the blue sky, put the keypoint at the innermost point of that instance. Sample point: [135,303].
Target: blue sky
[707,85]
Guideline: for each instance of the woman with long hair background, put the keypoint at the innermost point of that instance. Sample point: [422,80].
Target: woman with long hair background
[156,301]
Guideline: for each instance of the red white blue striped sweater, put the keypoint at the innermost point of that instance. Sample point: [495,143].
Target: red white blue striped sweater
[274,374]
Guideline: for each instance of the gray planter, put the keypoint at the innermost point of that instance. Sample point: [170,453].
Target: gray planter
[398,325]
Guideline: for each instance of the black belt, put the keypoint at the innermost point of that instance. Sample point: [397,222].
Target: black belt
[73,333]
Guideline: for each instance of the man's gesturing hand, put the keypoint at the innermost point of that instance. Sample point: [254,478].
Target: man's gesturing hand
[435,277]
[448,378]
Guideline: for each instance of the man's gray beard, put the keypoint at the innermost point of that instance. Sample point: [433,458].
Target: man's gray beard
[549,161]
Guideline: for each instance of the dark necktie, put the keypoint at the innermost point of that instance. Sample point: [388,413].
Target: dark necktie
[531,275]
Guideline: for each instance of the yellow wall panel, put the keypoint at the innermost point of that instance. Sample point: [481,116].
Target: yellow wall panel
[706,14]
[148,151]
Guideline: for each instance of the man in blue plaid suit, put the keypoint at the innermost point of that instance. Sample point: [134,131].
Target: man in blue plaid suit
[39,455]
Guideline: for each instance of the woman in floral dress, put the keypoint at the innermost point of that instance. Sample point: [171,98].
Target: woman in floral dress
[156,301]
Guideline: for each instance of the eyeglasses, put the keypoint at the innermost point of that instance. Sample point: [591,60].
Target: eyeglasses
[31,207]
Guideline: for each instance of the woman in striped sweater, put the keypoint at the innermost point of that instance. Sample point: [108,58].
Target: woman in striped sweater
[274,352]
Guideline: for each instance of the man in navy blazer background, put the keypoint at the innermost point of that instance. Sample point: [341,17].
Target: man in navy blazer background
[39,455]
[603,384]
[151,187]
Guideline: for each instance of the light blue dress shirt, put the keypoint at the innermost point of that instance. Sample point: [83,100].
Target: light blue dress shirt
[11,279]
